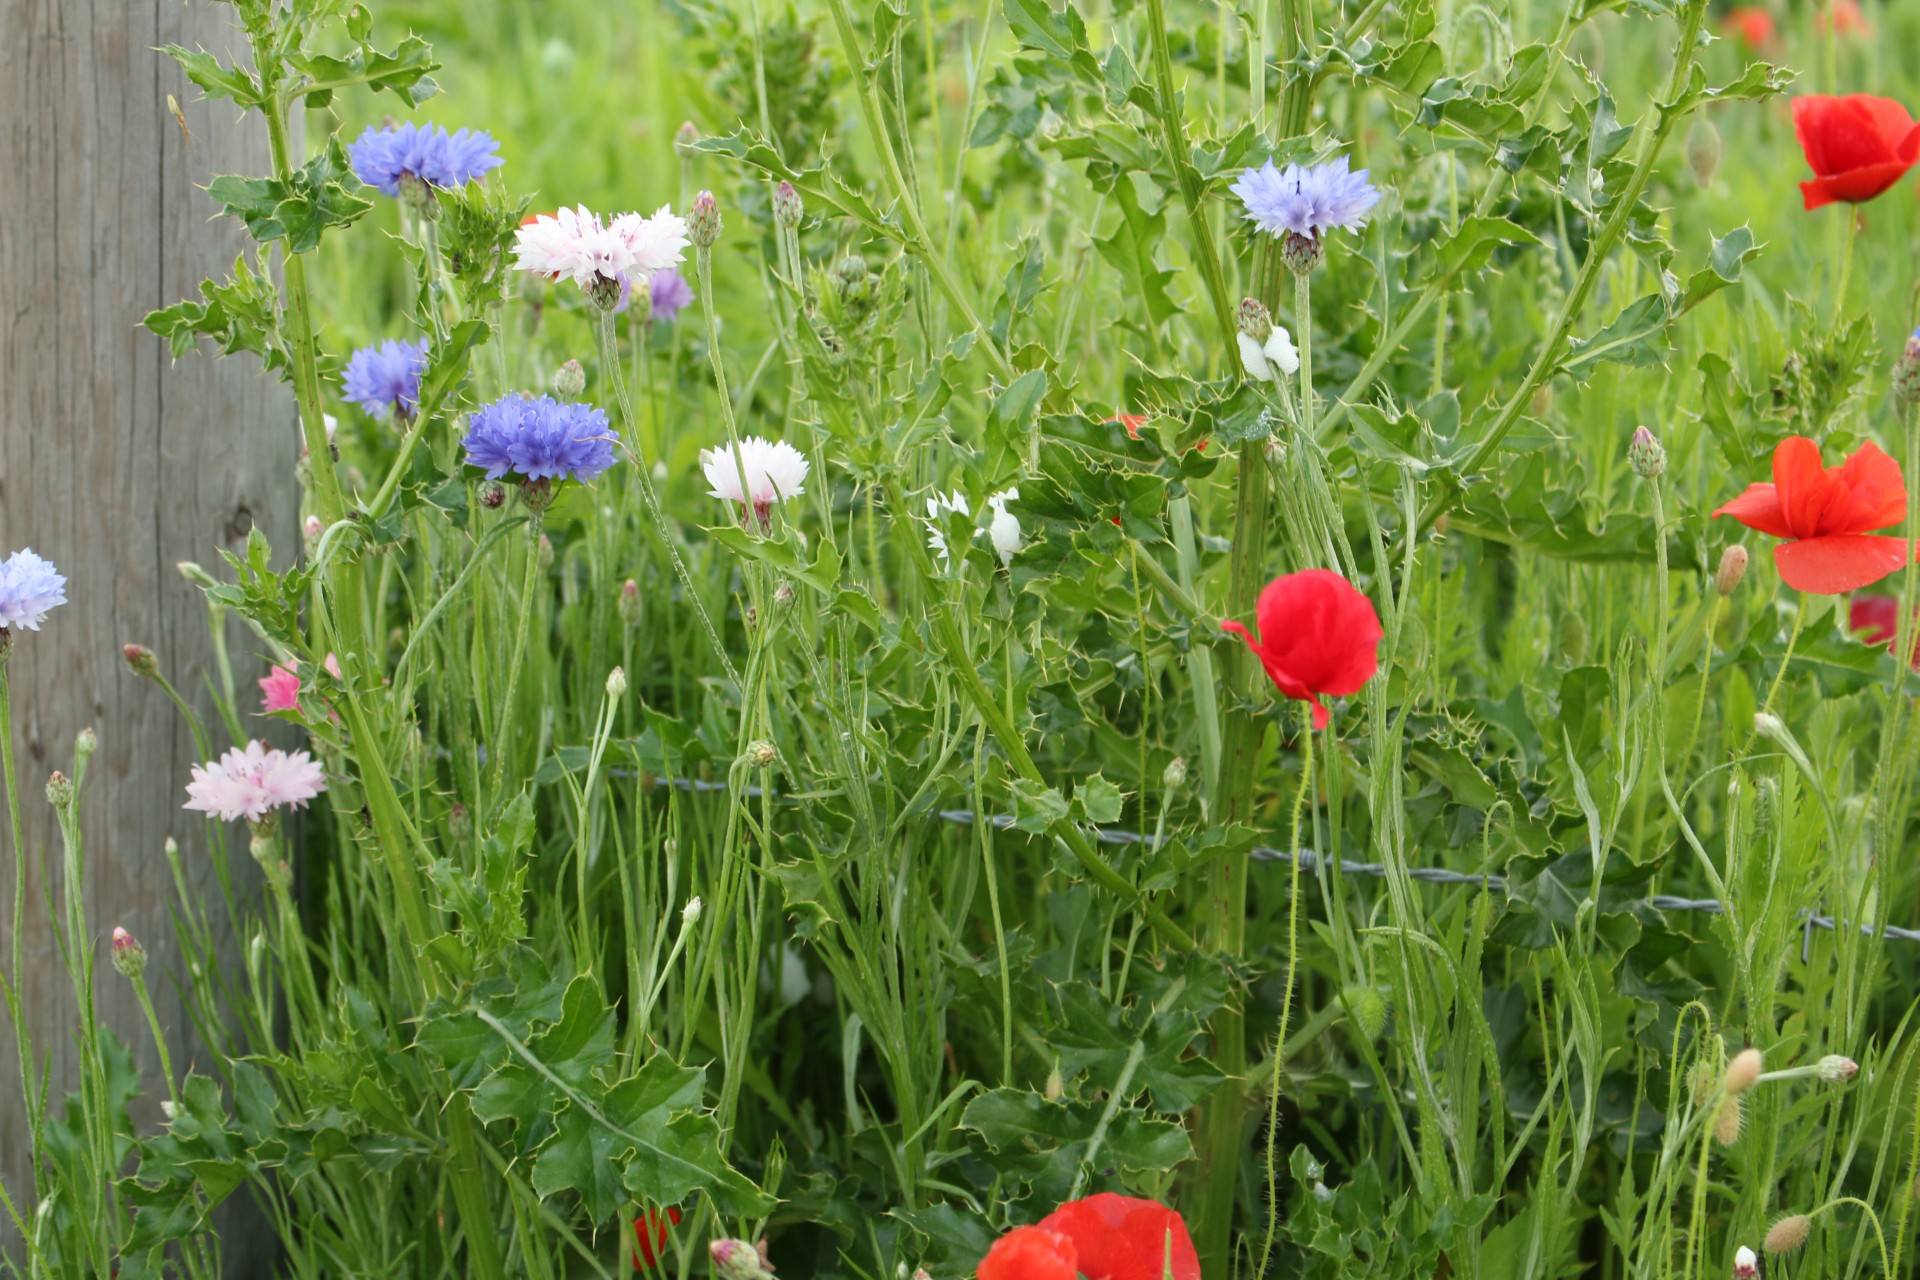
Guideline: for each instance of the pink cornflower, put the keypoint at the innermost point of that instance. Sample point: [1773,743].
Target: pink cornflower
[250,782]
[279,691]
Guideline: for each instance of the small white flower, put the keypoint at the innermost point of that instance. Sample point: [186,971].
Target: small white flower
[1260,361]
[1746,1263]
[937,506]
[773,470]
[1003,530]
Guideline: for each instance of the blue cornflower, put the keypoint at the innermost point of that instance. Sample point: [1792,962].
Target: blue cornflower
[540,439]
[29,587]
[382,157]
[669,293]
[1309,201]
[386,378]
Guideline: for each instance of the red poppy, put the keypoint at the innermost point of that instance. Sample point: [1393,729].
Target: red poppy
[1751,25]
[1318,634]
[1030,1253]
[1846,19]
[1876,620]
[1119,1237]
[1132,422]
[1857,146]
[1825,514]
[650,1237]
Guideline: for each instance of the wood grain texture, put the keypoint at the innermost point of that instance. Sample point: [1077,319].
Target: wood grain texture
[116,464]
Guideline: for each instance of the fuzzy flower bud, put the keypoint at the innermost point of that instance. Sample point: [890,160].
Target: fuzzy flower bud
[630,602]
[1726,1122]
[685,136]
[1368,1009]
[569,380]
[1742,1071]
[703,221]
[690,914]
[1703,150]
[1836,1069]
[1788,1234]
[493,495]
[616,684]
[1733,567]
[1645,455]
[1254,320]
[737,1260]
[59,790]
[129,957]
[759,753]
[788,209]
[1746,1264]
[1769,726]
[1174,776]
[141,662]
[1906,371]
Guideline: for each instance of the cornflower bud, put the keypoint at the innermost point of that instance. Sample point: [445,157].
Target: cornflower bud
[569,380]
[419,197]
[141,662]
[783,596]
[59,790]
[1302,254]
[604,293]
[1733,567]
[616,684]
[1742,1071]
[690,914]
[1788,1234]
[685,136]
[493,495]
[1645,455]
[1703,150]
[536,495]
[85,743]
[630,602]
[1836,1069]
[129,957]
[1254,320]
[1906,371]
[1174,776]
[736,1260]
[788,209]
[703,221]
[759,753]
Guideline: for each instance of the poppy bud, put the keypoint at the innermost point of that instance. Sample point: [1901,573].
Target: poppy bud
[1746,1264]
[1174,776]
[141,662]
[1788,1234]
[685,136]
[129,957]
[569,380]
[59,790]
[493,495]
[1368,1009]
[616,684]
[703,221]
[787,206]
[1733,567]
[1742,1071]
[759,753]
[1836,1069]
[1645,455]
[1726,1122]
[1254,320]
[630,602]
[1703,150]
[1906,371]
[1302,254]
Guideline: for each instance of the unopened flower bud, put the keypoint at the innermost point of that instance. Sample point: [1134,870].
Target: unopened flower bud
[59,790]
[1769,726]
[703,221]
[788,209]
[569,380]
[1788,1234]
[603,291]
[1645,455]
[1836,1069]
[1367,1008]
[1733,567]
[313,528]
[616,684]
[690,913]
[129,957]
[685,136]
[1906,371]
[1302,254]
[536,495]
[1254,320]
[418,196]
[1174,776]
[141,662]
[1703,150]
[759,753]
[85,743]
[195,574]
[736,1260]
[630,602]
[1742,1071]
[1726,1122]
[493,495]
[459,821]
[1746,1264]
[783,596]
[1573,637]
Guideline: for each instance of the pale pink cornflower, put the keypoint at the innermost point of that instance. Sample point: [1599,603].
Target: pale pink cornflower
[252,781]
[279,691]
[578,245]
[772,469]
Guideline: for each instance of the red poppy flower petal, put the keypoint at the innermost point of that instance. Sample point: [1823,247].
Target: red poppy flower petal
[1759,508]
[1801,485]
[1126,1238]
[1030,1253]
[1876,619]
[1836,563]
[1855,186]
[1877,492]
[1888,117]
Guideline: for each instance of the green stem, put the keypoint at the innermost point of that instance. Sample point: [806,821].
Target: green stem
[1173,133]
[529,585]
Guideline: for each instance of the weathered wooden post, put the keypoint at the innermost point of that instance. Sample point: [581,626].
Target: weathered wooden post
[116,464]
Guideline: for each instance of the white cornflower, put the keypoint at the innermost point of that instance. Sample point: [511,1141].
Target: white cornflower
[1003,529]
[937,506]
[772,469]
[1261,359]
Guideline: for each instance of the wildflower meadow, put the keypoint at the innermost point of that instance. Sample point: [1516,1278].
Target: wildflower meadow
[1127,639]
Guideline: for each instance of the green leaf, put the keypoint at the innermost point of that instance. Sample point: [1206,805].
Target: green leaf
[1472,243]
[1723,267]
[297,210]
[214,78]
[1637,337]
